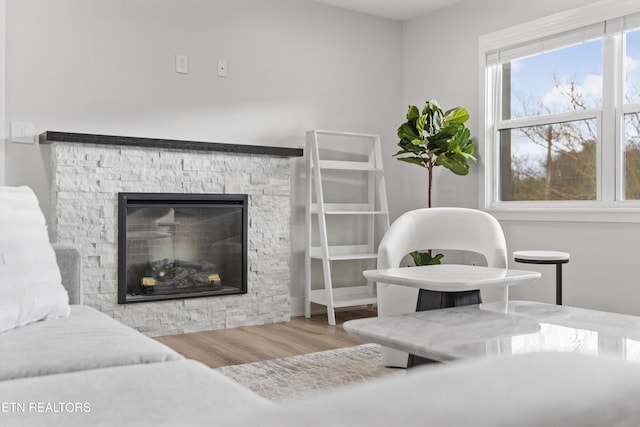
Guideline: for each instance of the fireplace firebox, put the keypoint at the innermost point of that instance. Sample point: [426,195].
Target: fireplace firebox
[173,246]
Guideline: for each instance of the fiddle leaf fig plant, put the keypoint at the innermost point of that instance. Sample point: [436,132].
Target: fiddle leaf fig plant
[433,137]
[425,258]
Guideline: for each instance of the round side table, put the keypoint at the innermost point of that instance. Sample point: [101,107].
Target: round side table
[546,257]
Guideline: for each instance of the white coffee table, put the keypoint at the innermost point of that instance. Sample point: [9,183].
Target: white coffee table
[450,285]
[484,330]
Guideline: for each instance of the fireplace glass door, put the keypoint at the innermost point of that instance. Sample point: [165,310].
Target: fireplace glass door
[181,246]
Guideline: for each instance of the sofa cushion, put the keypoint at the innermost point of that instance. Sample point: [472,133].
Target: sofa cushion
[180,393]
[87,339]
[30,283]
[532,390]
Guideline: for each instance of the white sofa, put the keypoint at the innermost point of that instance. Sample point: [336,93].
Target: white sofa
[86,339]
[89,369]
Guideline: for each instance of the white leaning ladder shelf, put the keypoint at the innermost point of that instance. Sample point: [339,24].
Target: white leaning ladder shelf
[374,211]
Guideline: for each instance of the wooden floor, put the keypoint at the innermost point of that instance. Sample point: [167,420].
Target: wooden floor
[255,343]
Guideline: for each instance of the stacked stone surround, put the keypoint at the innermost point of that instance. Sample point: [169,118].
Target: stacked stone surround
[86,180]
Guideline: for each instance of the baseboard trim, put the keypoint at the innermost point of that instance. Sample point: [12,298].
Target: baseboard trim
[297,307]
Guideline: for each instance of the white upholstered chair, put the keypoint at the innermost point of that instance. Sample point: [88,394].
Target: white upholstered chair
[438,229]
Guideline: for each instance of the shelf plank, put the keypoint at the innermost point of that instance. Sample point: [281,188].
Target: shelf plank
[355,213]
[347,296]
[347,134]
[347,209]
[348,165]
[344,253]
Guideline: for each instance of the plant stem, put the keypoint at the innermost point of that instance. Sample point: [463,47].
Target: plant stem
[430,180]
[430,185]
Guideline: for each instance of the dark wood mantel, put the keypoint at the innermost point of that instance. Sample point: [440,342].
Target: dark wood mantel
[51,137]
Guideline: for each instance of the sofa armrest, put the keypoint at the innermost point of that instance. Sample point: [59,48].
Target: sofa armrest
[69,262]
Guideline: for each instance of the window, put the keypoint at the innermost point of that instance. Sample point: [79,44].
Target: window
[551,107]
[562,112]
[631,123]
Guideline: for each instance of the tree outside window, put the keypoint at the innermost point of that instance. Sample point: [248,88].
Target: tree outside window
[555,159]
[632,116]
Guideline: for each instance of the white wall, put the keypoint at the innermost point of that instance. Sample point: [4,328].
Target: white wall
[602,273]
[3,5]
[107,67]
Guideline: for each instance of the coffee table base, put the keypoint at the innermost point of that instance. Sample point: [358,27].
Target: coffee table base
[433,300]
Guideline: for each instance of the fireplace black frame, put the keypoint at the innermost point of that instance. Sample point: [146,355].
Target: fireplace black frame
[126,200]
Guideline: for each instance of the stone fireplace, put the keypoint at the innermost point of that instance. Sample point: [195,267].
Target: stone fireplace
[89,172]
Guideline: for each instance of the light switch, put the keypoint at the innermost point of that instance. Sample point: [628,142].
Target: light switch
[23,132]
[182,64]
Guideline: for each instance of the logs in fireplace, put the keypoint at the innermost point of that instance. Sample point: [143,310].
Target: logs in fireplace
[175,246]
[165,276]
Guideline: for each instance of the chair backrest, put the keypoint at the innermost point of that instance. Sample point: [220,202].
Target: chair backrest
[443,229]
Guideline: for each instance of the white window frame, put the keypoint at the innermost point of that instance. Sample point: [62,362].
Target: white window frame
[608,207]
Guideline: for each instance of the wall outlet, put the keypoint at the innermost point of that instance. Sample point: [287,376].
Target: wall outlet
[23,132]
[222,68]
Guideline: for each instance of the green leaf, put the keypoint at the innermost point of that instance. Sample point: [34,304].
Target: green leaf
[413,112]
[436,259]
[452,128]
[456,163]
[420,122]
[456,115]
[470,150]
[435,124]
[462,144]
[409,147]
[439,143]
[463,135]
[431,107]
[406,131]
[418,141]
[415,160]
